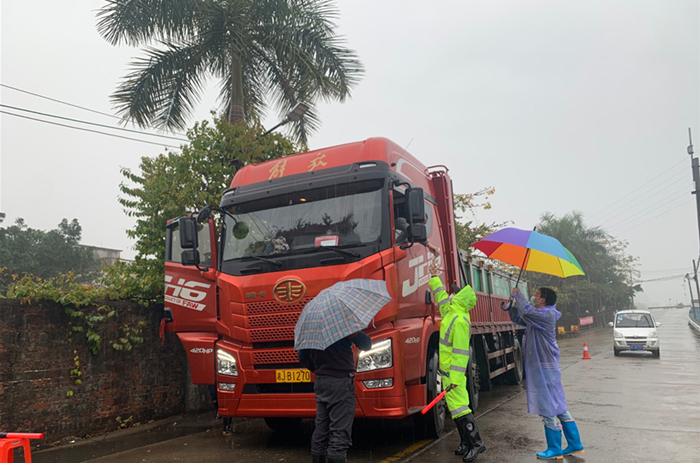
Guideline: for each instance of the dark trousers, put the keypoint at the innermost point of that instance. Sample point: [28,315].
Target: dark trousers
[335,412]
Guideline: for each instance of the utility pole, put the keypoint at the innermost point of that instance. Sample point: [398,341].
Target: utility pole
[632,283]
[697,287]
[696,178]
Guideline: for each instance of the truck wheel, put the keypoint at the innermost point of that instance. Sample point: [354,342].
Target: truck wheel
[514,376]
[473,380]
[617,352]
[656,353]
[282,424]
[432,423]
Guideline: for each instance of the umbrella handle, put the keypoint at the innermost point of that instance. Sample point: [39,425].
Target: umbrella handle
[503,305]
[511,300]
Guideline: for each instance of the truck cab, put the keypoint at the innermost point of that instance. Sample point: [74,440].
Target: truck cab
[291,227]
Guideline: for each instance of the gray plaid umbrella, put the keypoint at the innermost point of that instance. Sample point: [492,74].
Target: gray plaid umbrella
[339,311]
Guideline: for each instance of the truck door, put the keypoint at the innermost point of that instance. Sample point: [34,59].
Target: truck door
[190,291]
[412,270]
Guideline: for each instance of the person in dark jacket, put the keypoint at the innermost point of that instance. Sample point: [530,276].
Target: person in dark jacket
[334,387]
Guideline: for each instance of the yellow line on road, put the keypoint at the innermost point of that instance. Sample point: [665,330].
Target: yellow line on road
[403,453]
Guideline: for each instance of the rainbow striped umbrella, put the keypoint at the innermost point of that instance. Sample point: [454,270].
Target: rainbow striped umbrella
[531,251]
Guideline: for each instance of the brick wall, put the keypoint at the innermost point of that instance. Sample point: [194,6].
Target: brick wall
[149,382]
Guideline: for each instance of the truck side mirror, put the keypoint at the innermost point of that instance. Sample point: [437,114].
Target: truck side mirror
[416,205]
[204,214]
[419,233]
[189,257]
[610,324]
[188,232]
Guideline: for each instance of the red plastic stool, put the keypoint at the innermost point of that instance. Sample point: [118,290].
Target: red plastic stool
[12,440]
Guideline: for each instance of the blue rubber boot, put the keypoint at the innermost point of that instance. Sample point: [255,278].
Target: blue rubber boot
[573,438]
[553,451]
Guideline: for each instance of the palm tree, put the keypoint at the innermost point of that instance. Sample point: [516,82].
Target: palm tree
[283,50]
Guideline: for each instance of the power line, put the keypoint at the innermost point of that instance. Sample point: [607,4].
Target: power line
[88,130]
[628,194]
[666,270]
[674,277]
[655,217]
[59,101]
[643,197]
[650,209]
[93,123]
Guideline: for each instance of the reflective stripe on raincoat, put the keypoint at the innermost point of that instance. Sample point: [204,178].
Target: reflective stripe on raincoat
[545,394]
[454,343]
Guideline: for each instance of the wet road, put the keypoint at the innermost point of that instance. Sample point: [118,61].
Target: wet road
[631,408]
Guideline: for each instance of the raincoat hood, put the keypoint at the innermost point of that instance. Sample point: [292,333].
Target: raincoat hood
[464,300]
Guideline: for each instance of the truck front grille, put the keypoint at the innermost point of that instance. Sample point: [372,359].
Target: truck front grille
[274,307]
[272,322]
[274,334]
[280,319]
[275,356]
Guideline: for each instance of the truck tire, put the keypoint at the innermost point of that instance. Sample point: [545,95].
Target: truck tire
[514,376]
[432,423]
[282,424]
[473,380]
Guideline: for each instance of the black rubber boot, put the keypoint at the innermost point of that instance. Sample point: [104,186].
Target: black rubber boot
[227,426]
[464,446]
[475,442]
[336,459]
[318,458]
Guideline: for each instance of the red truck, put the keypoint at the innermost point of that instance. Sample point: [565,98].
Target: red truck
[293,226]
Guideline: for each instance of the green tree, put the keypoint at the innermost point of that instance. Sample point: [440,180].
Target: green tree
[174,184]
[44,254]
[283,49]
[471,230]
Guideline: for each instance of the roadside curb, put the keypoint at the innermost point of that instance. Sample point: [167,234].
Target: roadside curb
[128,439]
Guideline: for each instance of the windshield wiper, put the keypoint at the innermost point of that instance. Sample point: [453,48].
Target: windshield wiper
[341,250]
[269,261]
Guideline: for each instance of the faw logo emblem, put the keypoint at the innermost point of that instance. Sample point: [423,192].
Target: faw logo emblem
[184,294]
[289,291]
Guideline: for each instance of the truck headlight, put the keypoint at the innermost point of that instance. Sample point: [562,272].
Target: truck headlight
[617,334]
[654,335]
[226,364]
[378,357]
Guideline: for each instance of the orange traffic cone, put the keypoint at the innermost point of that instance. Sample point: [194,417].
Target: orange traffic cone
[586,355]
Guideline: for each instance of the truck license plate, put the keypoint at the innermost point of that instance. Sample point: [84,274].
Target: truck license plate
[636,347]
[301,375]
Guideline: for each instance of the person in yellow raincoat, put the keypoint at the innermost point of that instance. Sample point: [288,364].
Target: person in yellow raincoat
[454,359]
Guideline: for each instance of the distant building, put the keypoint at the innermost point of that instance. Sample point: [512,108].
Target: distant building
[107,256]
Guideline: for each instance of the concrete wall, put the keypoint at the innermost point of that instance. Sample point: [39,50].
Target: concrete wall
[149,382]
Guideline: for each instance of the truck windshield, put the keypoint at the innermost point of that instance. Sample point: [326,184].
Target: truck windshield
[298,222]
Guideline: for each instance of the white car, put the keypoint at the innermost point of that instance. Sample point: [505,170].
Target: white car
[635,330]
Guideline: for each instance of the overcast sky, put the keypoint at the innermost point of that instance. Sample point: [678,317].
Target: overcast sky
[562,106]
